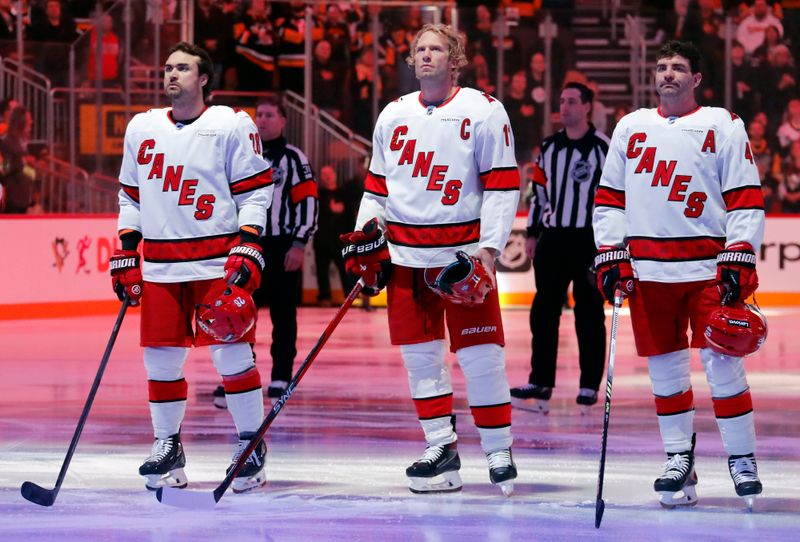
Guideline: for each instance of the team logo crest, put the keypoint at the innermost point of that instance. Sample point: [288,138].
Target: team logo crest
[278,175]
[582,171]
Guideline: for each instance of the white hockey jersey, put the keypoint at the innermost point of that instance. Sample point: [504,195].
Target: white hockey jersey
[677,190]
[442,178]
[189,188]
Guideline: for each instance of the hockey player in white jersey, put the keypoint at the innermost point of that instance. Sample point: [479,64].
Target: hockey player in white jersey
[195,189]
[678,220]
[440,197]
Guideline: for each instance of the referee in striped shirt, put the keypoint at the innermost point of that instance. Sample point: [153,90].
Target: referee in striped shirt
[561,243]
[291,221]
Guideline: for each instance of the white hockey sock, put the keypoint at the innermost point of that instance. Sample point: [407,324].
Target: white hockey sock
[243,389]
[733,406]
[671,383]
[167,388]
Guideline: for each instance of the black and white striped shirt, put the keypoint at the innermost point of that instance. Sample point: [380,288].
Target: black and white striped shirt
[565,178]
[294,201]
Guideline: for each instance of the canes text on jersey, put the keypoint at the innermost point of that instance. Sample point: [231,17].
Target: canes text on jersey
[174,182]
[423,165]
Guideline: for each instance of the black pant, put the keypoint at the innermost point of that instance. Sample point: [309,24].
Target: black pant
[564,255]
[281,291]
[324,254]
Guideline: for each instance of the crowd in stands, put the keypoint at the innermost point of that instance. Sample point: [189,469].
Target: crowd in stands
[258,45]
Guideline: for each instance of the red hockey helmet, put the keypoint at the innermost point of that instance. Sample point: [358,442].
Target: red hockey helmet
[227,312]
[464,282]
[736,330]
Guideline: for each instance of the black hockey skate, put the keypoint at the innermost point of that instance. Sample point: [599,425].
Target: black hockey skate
[502,470]
[585,399]
[676,485]
[744,472]
[165,465]
[436,471]
[252,474]
[532,397]
[220,400]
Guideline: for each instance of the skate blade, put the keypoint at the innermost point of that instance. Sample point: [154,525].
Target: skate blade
[749,501]
[506,487]
[443,483]
[586,410]
[679,499]
[243,485]
[175,478]
[531,405]
[220,402]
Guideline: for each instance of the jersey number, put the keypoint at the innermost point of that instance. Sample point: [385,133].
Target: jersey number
[256,141]
[507,134]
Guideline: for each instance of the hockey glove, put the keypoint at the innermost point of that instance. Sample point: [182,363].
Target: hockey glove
[736,272]
[244,266]
[613,268]
[126,276]
[366,254]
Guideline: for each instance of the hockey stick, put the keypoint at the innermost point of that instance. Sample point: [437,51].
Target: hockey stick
[46,497]
[204,500]
[600,504]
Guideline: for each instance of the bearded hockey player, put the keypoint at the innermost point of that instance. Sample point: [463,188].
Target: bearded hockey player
[679,208]
[195,189]
[443,180]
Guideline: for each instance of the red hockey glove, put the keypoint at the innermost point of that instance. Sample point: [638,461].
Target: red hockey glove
[246,262]
[367,255]
[613,268]
[736,272]
[126,276]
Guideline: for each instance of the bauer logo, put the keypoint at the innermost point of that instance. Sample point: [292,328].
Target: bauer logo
[479,329]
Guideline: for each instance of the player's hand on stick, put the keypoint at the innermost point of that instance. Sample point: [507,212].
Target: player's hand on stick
[736,272]
[126,275]
[246,261]
[613,267]
[366,254]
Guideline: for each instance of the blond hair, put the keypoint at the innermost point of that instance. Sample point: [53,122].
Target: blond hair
[455,45]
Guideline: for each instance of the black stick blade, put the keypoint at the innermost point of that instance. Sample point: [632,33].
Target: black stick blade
[37,494]
[194,500]
[599,508]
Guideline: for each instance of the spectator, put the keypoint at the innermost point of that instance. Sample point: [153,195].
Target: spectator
[111,52]
[743,78]
[56,27]
[789,187]
[337,33]
[767,161]
[17,174]
[255,48]
[328,80]
[6,106]
[752,28]
[789,131]
[8,28]
[521,109]
[363,85]
[778,85]
[291,48]
[772,38]
[335,217]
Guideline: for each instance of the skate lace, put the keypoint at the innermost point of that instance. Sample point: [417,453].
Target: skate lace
[240,450]
[676,467]
[528,387]
[161,449]
[431,454]
[499,459]
[743,469]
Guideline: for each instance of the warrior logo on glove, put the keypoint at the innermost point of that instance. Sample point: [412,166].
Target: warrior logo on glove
[464,282]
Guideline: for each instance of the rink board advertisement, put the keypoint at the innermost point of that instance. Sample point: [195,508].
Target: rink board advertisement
[59,266]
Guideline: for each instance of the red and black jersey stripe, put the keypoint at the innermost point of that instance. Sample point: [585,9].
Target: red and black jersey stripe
[744,197]
[183,250]
[131,191]
[675,249]
[501,178]
[253,182]
[434,235]
[609,197]
[376,184]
